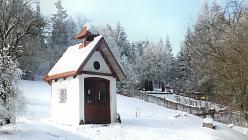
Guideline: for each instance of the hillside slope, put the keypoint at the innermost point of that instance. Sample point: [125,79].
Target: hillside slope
[140,120]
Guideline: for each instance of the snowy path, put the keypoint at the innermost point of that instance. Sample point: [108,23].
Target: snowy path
[140,121]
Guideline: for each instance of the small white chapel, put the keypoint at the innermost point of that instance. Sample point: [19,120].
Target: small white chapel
[83,82]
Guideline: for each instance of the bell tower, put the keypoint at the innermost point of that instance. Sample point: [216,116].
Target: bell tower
[86,35]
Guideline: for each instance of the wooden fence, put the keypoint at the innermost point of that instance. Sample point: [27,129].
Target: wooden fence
[226,117]
[168,104]
[235,118]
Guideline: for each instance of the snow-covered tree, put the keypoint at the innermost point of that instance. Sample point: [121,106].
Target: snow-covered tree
[17,22]
[142,61]
[62,34]
[216,54]
[21,26]
[59,34]
[32,56]
[11,97]
[120,38]
[117,41]
[108,32]
[156,62]
[166,60]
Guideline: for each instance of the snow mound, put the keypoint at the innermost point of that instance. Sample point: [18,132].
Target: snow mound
[230,125]
[208,120]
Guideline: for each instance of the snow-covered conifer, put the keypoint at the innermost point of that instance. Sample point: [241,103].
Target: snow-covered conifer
[11,97]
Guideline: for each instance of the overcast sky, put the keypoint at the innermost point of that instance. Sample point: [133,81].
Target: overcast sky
[142,19]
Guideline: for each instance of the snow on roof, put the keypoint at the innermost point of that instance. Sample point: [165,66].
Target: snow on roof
[73,58]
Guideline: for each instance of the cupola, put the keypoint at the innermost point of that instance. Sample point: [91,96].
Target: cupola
[87,34]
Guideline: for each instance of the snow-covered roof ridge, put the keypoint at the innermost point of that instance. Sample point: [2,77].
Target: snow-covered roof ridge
[73,57]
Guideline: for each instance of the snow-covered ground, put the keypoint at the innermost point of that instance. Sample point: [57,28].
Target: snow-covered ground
[140,121]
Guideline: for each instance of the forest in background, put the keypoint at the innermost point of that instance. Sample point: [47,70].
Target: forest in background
[212,59]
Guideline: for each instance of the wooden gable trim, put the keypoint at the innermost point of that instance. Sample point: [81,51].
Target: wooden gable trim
[97,73]
[100,49]
[106,48]
[107,61]
[61,75]
[87,59]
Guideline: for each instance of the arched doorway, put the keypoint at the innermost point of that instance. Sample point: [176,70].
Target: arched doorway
[97,100]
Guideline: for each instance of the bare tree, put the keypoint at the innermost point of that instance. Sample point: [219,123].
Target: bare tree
[218,51]
[17,21]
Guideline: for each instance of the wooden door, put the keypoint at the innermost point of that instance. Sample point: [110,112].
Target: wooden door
[97,100]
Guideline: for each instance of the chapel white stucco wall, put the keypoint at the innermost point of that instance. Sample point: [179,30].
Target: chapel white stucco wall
[81,97]
[65,113]
[103,65]
[72,111]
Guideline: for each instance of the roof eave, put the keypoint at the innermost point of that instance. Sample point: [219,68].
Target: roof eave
[49,78]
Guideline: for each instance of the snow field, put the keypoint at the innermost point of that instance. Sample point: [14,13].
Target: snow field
[140,121]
